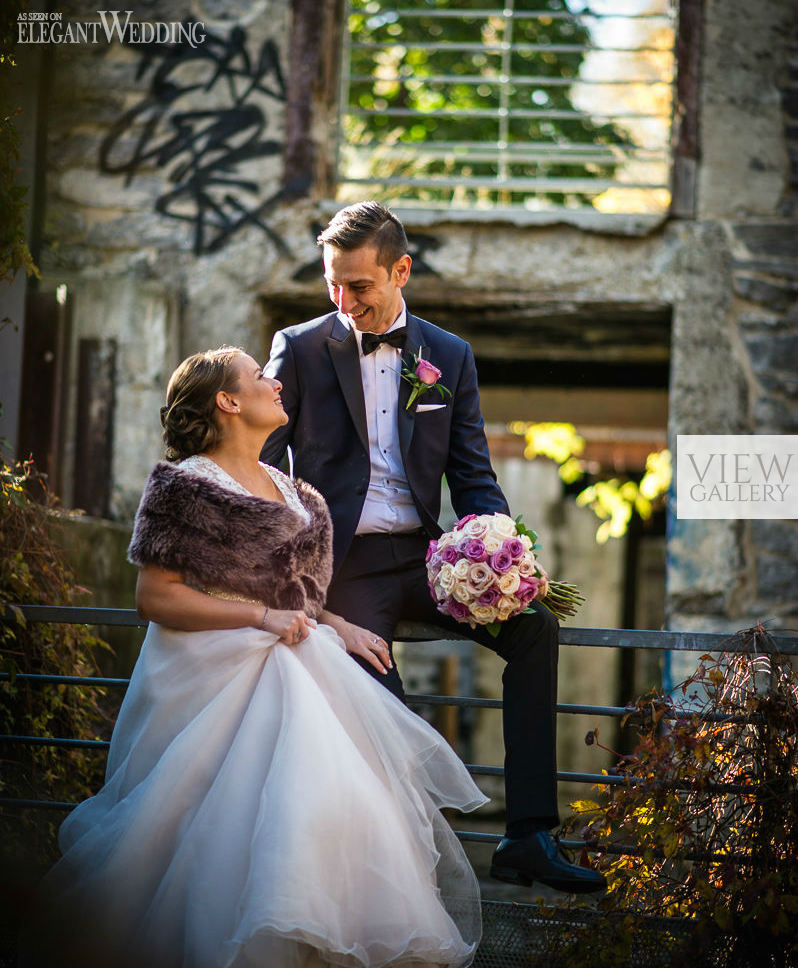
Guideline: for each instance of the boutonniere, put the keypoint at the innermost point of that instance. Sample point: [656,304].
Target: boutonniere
[422,376]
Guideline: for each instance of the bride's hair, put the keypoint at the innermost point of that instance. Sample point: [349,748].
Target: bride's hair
[189,417]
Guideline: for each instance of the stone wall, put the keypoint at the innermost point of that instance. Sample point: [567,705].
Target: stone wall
[171,219]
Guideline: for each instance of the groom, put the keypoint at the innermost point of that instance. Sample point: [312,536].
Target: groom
[379,464]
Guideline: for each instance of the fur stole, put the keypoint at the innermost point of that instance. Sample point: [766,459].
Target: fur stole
[235,544]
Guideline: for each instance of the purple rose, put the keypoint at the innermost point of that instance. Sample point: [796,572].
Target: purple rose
[473,549]
[431,549]
[490,597]
[458,610]
[528,590]
[450,554]
[515,547]
[463,521]
[501,562]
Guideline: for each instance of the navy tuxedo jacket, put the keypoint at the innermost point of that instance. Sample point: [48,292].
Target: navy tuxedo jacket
[318,365]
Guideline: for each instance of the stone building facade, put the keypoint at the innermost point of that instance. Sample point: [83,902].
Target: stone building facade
[171,234]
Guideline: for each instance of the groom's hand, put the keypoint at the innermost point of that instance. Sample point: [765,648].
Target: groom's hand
[360,641]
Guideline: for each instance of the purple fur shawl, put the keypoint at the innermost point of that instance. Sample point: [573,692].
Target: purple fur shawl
[240,544]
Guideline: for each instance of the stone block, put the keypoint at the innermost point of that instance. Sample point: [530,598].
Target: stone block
[776,240]
[774,415]
[772,352]
[780,537]
[773,295]
[776,578]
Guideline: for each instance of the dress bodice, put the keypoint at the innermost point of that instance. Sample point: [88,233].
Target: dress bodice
[206,467]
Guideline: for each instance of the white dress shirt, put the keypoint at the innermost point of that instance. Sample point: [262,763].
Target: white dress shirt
[389,505]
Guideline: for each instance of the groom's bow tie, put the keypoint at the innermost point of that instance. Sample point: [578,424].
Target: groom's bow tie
[371,341]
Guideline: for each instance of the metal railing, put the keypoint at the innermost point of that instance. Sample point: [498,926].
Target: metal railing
[574,70]
[407,632]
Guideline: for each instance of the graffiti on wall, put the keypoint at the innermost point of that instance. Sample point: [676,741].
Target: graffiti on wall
[206,153]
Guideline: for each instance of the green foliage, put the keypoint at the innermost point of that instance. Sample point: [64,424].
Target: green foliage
[32,572]
[615,500]
[418,67]
[710,808]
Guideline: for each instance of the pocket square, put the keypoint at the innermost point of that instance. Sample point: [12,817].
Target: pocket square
[425,407]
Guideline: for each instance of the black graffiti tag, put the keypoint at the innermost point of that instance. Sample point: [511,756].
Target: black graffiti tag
[205,151]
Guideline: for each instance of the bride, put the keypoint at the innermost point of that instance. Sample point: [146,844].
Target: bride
[266,803]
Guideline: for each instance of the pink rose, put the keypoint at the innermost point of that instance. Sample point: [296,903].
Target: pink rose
[433,547]
[427,373]
[515,547]
[458,610]
[463,521]
[490,596]
[450,554]
[501,562]
[528,590]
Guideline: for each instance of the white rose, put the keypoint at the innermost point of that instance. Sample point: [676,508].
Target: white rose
[491,543]
[476,527]
[509,582]
[461,569]
[526,541]
[484,614]
[446,578]
[527,566]
[507,606]
[503,526]
[445,540]
[460,593]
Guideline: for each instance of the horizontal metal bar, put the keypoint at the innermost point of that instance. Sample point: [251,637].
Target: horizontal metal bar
[494,156]
[477,838]
[505,14]
[420,631]
[514,113]
[93,744]
[514,151]
[500,47]
[81,615]
[37,804]
[581,185]
[521,80]
[36,678]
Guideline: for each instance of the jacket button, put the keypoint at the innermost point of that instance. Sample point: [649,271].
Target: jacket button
[360,489]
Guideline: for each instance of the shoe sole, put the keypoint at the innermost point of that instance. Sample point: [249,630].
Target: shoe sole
[513,876]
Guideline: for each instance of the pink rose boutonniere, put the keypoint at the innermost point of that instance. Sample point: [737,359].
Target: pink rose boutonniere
[423,376]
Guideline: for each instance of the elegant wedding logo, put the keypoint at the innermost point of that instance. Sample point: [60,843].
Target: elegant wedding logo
[34,27]
[737,476]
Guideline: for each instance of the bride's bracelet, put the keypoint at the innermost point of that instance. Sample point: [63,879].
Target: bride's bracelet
[262,625]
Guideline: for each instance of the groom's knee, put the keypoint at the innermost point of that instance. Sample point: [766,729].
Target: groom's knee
[533,636]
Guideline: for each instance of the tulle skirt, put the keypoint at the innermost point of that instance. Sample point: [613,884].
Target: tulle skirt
[270,806]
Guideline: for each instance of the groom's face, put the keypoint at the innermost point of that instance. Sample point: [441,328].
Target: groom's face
[368,294]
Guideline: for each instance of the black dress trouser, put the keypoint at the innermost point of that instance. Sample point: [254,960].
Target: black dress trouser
[383,580]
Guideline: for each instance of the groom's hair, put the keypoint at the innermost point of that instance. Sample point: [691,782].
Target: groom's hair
[367,223]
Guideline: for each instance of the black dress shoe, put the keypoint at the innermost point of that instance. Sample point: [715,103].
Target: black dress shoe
[537,857]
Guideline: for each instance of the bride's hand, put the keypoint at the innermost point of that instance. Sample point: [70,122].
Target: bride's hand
[360,641]
[289,626]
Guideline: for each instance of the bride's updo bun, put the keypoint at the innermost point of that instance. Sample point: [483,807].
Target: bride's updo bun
[189,417]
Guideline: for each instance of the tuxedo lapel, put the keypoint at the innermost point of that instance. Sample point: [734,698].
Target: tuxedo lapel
[407,418]
[342,346]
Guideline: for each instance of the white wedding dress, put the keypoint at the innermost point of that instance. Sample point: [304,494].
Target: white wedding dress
[271,806]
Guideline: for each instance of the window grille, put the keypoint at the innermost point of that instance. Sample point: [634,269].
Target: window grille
[539,106]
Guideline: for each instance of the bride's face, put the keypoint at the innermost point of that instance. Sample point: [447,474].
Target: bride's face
[257,396]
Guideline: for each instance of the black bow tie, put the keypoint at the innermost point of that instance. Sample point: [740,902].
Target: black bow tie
[371,341]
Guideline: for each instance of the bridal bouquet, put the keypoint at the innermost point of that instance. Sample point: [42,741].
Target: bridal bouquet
[484,571]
